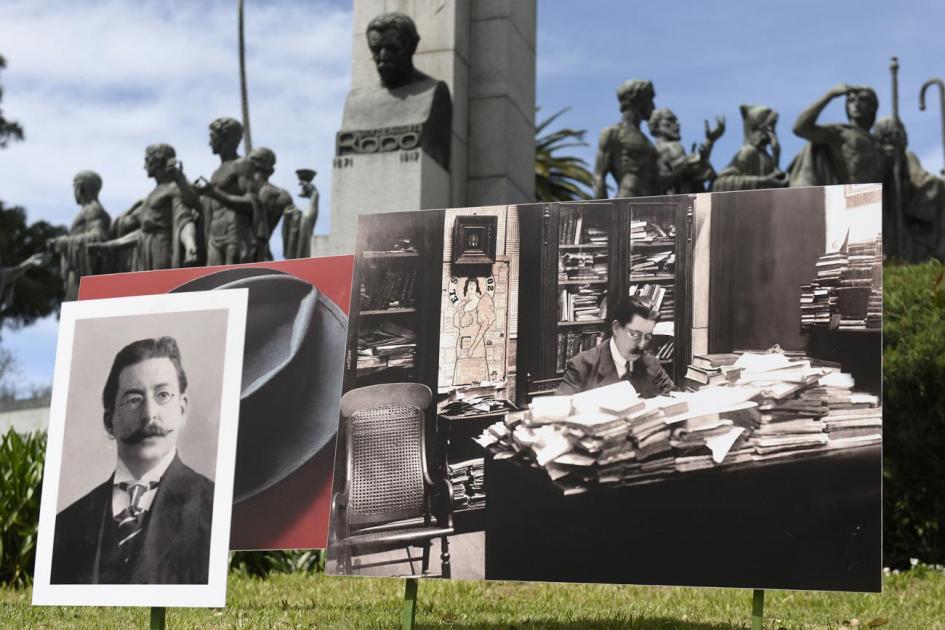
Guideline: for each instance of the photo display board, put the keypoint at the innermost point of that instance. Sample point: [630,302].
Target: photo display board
[677,390]
[138,479]
[291,383]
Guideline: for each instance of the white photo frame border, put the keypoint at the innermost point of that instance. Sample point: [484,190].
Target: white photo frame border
[212,594]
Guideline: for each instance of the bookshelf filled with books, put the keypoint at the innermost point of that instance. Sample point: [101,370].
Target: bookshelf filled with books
[583,279]
[396,303]
[657,255]
[578,257]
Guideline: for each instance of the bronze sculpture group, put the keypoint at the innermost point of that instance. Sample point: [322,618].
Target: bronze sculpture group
[860,151]
[227,219]
[230,217]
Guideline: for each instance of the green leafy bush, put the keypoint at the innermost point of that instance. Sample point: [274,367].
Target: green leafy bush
[262,563]
[21,478]
[914,413]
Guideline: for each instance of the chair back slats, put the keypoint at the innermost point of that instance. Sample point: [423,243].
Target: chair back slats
[385,455]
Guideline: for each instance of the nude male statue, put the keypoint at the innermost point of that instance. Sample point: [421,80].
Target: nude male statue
[627,154]
[232,213]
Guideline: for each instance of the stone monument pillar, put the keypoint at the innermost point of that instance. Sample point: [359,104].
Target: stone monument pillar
[393,152]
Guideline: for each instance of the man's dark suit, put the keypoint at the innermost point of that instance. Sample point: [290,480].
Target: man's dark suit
[595,368]
[176,545]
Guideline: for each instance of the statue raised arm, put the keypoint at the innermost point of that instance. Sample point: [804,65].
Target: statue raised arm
[839,153]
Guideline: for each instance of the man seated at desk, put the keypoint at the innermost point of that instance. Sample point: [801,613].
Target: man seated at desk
[622,356]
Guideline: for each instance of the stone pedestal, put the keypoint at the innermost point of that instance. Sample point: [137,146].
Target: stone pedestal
[374,183]
[484,51]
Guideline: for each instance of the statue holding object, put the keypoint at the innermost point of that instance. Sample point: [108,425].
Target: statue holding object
[923,195]
[664,126]
[298,225]
[91,225]
[753,167]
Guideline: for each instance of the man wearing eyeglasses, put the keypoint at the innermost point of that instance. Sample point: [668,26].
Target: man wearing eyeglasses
[622,356]
[149,523]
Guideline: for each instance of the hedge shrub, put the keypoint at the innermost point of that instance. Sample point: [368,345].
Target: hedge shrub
[21,478]
[914,413]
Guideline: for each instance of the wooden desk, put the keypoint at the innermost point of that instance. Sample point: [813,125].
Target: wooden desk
[456,433]
[809,523]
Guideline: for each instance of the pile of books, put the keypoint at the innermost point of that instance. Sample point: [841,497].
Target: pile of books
[609,435]
[573,230]
[384,346]
[776,405]
[653,264]
[582,303]
[874,310]
[847,292]
[649,232]
[663,297]
[468,481]
[712,369]
[395,289]
[799,401]
[582,266]
[571,343]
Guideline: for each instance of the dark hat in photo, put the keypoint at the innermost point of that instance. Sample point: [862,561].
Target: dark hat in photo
[292,371]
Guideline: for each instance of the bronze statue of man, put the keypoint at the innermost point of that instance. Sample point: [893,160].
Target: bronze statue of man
[90,225]
[407,110]
[923,198]
[839,153]
[167,234]
[274,200]
[664,126]
[753,167]
[627,154]
[232,213]
[297,224]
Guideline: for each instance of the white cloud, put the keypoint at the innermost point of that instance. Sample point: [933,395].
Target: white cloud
[94,84]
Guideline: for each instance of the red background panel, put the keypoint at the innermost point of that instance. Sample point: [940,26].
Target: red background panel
[293,514]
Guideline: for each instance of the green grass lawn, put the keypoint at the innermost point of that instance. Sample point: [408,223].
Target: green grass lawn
[915,599]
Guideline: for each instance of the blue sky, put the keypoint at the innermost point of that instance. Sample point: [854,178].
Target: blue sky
[93,83]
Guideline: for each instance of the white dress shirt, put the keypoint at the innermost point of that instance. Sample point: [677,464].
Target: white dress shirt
[619,362]
[121,499]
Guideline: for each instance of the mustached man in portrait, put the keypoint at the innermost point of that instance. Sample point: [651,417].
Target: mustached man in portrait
[149,522]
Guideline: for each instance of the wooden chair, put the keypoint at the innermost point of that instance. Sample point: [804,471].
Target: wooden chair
[390,499]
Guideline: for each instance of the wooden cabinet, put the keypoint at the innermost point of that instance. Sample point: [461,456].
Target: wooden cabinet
[579,258]
[395,306]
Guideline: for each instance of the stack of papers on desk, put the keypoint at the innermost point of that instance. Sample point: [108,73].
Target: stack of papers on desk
[610,436]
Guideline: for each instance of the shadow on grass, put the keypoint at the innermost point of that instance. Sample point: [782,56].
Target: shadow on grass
[654,623]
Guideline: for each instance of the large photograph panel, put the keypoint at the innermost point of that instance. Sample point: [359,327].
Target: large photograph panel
[693,399]
[139,468]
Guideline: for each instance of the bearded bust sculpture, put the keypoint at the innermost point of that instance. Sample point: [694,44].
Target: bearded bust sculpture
[406,109]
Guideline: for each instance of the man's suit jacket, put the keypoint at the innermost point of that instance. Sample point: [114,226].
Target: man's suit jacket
[176,545]
[595,367]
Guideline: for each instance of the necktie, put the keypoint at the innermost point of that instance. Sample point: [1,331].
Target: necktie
[130,521]
[629,372]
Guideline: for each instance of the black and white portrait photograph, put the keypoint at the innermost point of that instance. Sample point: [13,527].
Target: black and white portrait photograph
[677,390]
[138,480]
